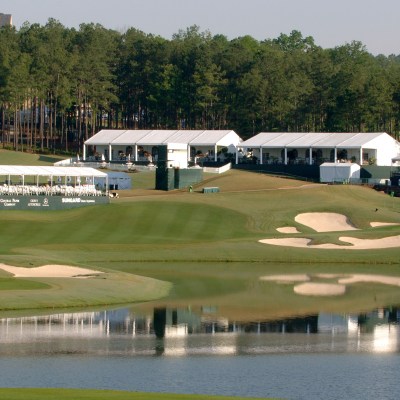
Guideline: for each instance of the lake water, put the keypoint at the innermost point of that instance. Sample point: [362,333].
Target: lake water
[322,356]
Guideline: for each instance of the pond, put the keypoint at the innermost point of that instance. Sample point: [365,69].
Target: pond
[182,350]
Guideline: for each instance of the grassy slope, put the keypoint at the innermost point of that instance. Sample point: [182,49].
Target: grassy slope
[8,157]
[76,394]
[208,244]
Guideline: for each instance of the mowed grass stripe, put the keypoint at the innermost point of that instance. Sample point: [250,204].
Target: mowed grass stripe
[147,222]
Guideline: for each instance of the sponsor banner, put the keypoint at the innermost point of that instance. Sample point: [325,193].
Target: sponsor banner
[49,202]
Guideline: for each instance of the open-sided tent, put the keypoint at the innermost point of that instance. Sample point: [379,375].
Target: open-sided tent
[18,174]
[110,143]
[51,188]
[312,147]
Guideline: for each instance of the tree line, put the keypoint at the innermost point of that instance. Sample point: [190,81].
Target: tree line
[59,85]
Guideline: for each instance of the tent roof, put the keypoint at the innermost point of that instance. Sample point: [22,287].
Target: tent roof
[160,137]
[311,139]
[49,171]
[106,136]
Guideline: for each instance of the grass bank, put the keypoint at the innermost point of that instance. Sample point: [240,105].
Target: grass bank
[77,394]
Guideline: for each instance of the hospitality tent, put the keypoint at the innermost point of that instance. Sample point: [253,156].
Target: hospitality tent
[113,143]
[16,175]
[312,147]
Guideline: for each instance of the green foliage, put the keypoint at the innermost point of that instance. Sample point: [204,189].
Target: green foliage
[58,85]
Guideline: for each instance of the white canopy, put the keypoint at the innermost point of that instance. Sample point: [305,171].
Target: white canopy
[311,139]
[23,170]
[160,137]
[361,146]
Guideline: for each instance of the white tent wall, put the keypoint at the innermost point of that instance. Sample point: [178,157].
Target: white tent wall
[339,172]
[384,147]
[119,180]
[177,154]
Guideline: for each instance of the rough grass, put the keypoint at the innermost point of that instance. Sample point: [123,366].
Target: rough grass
[8,157]
[78,394]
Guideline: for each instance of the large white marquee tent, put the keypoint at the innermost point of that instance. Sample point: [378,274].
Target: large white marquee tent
[306,148]
[111,143]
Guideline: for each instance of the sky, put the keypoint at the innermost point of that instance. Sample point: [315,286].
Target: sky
[331,23]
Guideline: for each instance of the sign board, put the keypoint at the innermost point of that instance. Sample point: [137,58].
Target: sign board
[49,202]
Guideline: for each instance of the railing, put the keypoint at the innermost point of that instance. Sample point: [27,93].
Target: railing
[218,170]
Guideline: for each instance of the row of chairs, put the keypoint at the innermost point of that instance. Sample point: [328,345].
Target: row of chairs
[47,190]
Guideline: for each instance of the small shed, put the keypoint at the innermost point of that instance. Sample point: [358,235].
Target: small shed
[119,180]
[339,172]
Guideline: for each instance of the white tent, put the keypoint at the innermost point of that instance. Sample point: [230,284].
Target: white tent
[339,172]
[27,179]
[50,171]
[310,147]
[207,141]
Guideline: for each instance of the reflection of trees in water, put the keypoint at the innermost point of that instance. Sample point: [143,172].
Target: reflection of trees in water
[169,322]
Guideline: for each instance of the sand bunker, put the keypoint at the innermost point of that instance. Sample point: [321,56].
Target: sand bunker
[359,278]
[49,271]
[288,229]
[286,278]
[377,224]
[332,222]
[320,289]
[354,243]
[325,222]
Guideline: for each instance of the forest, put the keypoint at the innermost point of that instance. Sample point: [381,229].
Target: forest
[59,85]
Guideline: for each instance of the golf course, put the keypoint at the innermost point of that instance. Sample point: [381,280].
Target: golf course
[182,247]
[246,250]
